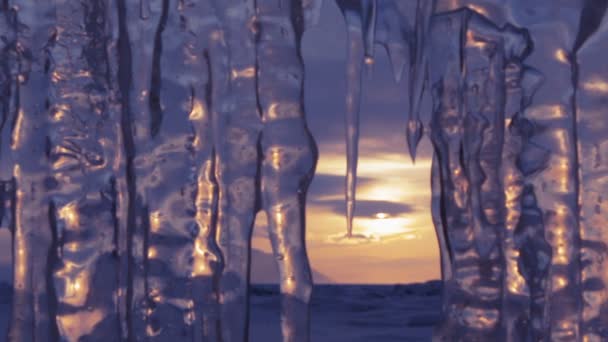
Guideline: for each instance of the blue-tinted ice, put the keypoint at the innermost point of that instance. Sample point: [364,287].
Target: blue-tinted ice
[139,138]
[518,93]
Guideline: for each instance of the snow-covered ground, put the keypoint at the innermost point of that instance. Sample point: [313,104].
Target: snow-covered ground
[340,313]
[354,313]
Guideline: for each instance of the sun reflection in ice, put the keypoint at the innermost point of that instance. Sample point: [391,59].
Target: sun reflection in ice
[155,218]
[561,55]
[479,9]
[596,85]
[198,111]
[69,214]
[16,138]
[242,73]
[76,287]
[75,326]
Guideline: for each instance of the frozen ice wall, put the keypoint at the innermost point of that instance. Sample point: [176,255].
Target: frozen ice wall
[518,97]
[506,125]
[139,140]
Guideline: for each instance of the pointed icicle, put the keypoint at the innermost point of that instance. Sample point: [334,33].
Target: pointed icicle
[414,135]
[312,12]
[355,22]
[144,9]
[369,14]
[531,80]
[398,58]
[418,73]
[393,32]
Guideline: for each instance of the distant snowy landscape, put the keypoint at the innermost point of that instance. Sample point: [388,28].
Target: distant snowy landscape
[354,313]
[346,313]
[340,313]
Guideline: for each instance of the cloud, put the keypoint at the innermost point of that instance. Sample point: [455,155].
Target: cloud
[264,269]
[368,208]
[325,185]
[354,239]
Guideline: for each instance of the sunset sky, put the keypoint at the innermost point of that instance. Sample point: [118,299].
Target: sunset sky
[406,248]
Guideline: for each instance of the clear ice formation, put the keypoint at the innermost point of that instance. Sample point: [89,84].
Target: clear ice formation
[518,92]
[139,140]
[505,125]
[360,27]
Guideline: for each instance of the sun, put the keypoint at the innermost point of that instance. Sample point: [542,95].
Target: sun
[382,225]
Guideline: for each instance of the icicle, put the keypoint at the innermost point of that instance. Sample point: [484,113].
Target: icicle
[290,157]
[531,80]
[418,73]
[525,272]
[398,58]
[120,181]
[394,32]
[82,149]
[312,12]
[8,87]
[445,252]
[592,145]
[527,253]
[33,242]
[467,131]
[446,75]
[236,129]
[356,20]
[143,48]
[206,96]
[369,14]
[177,187]
[144,9]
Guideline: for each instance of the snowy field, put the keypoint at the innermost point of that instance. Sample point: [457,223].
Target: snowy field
[354,313]
[340,313]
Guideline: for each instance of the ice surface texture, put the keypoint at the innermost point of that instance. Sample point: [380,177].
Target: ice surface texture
[139,140]
[518,96]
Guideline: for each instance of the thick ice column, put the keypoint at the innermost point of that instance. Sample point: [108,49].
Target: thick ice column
[591,82]
[526,252]
[290,156]
[172,188]
[33,308]
[447,135]
[8,88]
[469,55]
[236,132]
[550,161]
[82,149]
[207,91]
[140,22]
[175,172]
